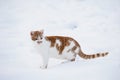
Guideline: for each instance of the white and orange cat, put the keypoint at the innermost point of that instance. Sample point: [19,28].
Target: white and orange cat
[61,47]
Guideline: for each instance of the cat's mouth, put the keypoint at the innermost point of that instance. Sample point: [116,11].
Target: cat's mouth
[39,42]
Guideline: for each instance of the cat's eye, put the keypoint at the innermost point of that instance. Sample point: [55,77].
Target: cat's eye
[41,38]
[35,38]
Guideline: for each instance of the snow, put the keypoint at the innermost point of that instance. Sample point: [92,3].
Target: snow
[93,23]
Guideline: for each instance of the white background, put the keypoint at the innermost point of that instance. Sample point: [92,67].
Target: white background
[95,24]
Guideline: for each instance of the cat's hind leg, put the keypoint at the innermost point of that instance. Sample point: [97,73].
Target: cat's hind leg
[70,59]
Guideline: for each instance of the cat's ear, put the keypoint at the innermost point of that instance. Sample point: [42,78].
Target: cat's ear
[31,33]
[42,31]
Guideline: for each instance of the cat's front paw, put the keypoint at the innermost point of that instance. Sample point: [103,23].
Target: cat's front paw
[43,67]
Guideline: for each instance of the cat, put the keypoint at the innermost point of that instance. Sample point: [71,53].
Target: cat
[61,47]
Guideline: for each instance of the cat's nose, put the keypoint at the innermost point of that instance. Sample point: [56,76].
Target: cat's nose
[39,42]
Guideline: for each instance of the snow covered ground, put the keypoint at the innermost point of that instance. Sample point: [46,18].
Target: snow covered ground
[93,23]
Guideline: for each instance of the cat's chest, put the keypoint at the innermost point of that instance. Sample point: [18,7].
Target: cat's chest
[42,47]
[45,48]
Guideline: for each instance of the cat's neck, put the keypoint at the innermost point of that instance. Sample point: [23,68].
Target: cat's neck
[45,40]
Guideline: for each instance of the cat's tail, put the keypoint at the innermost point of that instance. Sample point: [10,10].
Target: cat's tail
[91,56]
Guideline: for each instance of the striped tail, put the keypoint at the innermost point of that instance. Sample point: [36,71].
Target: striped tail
[92,56]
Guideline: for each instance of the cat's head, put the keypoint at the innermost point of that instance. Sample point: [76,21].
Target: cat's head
[37,36]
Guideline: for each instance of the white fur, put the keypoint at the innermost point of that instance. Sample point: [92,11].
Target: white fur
[46,51]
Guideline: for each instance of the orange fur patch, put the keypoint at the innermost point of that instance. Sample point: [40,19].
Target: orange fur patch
[64,42]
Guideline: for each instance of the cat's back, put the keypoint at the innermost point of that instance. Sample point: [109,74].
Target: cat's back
[63,40]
